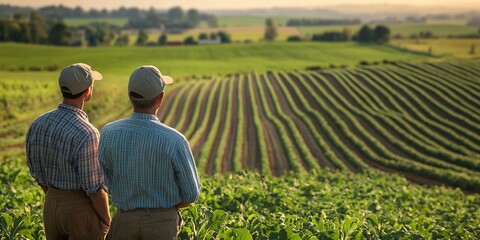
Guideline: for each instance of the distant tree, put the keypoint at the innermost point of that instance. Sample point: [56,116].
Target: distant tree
[152,19]
[175,15]
[472,49]
[331,36]
[365,34]
[189,41]
[224,37]
[270,30]
[90,35]
[25,35]
[142,38]
[426,34]
[193,17]
[212,21]
[162,40]
[122,40]
[59,34]
[12,31]
[294,38]
[203,36]
[105,36]
[213,36]
[38,27]
[3,31]
[381,34]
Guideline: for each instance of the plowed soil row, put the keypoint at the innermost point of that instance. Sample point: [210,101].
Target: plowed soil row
[228,157]
[251,151]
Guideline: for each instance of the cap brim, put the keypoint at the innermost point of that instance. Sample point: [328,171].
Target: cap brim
[96,75]
[167,79]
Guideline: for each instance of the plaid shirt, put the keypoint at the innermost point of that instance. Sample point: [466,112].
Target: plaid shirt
[62,149]
[147,164]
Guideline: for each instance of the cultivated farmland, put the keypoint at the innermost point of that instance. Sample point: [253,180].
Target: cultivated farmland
[283,153]
[418,120]
[294,154]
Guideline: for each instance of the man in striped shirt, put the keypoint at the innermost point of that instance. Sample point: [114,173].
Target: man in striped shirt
[61,149]
[149,168]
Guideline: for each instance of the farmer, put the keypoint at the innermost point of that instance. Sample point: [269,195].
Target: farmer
[149,168]
[61,149]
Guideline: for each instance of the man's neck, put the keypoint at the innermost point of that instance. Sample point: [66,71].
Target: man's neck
[146,110]
[78,103]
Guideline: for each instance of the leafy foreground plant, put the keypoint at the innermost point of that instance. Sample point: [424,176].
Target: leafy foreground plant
[316,205]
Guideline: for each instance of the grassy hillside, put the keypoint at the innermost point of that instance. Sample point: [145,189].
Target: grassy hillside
[460,48]
[201,60]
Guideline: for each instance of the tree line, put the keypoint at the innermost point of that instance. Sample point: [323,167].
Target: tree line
[321,22]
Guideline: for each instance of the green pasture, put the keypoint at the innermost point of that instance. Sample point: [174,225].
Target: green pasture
[185,61]
[74,22]
[461,48]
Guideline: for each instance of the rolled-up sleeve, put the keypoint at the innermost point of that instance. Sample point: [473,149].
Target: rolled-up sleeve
[89,171]
[186,173]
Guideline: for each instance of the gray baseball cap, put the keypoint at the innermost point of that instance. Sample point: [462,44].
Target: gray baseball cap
[147,82]
[77,77]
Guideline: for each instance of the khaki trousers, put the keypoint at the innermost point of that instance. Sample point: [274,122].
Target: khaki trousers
[70,215]
[145,223]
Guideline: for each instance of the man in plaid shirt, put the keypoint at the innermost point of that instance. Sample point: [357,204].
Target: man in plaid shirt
[61,149]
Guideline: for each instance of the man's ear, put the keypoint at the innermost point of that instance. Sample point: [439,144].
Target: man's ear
[160,99]
[89,89]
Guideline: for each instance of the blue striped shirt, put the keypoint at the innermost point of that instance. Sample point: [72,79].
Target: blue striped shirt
[62,150]
[147,164]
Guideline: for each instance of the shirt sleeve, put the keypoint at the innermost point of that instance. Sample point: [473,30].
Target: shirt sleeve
[91,176]
[105,160]
[186,173]
[30,162]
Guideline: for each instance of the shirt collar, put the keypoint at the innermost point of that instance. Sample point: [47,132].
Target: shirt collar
[145,116]
[69,108]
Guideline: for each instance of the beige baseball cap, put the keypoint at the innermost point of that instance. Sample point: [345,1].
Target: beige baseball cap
[147,82]
[77,77]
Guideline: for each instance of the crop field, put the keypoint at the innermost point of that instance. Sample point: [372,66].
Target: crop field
[419,120]
[389,150]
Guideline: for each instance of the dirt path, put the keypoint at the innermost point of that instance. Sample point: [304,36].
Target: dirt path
[251,152]
[228,157]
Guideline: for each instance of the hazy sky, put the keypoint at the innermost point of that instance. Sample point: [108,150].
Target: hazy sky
[226,4]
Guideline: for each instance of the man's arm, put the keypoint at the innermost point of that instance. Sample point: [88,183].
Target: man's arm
[186,175]
[100,204]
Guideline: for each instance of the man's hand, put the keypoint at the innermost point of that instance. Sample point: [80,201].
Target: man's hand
[182,205]
[100,204]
